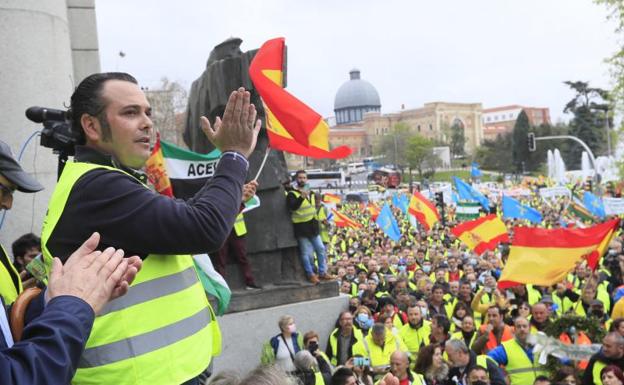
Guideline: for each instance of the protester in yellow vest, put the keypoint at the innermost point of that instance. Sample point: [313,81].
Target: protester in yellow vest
[611,353]
[378,345]
[47,350]
[302,204]
[164,331]
[236,244]
[517,356]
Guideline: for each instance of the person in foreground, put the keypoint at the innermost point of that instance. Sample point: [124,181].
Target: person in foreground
[51,345]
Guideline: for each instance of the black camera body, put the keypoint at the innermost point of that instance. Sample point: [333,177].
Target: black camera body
[57,133]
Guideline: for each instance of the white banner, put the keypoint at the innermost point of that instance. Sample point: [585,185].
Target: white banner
[553,192]
[613,206]
[546,346]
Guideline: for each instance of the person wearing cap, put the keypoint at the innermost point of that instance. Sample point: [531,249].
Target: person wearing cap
[104,184]
[12,178]
[47,350]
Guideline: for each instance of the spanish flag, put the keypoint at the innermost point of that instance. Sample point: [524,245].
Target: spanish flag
[157,172]
[482,234]
[331,198]
[545,256]
[374,211]
[342,220]
[423,210]
[291,125]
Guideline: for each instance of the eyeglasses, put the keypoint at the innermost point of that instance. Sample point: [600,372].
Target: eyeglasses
[6,191]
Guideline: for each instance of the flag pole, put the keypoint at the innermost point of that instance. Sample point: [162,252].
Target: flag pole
[266,156]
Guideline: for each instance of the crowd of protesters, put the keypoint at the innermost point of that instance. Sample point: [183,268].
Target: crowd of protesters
[427,310]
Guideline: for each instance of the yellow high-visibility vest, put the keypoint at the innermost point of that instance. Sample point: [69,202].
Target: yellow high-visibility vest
[10,281]
[305,212]
[163,331]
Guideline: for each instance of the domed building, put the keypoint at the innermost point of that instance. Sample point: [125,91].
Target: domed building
[354,98]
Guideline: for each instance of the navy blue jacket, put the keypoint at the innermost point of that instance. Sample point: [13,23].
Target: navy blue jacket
[51,345]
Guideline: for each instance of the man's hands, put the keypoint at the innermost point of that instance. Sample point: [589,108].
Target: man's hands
[238,131]
[94,276]
[249,190]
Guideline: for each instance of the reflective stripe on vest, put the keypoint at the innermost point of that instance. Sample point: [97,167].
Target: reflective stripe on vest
[162,331]
[318,378]
[239,225]
[520,369]
[305,212]
[598,366]
[10,281]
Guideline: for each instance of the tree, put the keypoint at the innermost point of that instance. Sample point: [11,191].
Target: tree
[589,106]
[494,154]
[458,140]
[393,146]
[169,99]
[420,156]
[519,145]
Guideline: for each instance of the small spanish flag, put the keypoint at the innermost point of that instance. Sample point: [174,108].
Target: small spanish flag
[157,172]
[423,210]
[545,256]
[482,234]
[331,198]
[374,211]
[342,220]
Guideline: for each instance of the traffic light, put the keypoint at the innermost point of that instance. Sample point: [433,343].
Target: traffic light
[439,198]
[531,141]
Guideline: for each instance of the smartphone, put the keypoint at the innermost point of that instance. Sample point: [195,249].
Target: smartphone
[361,361]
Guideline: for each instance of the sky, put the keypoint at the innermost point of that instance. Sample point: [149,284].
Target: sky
[494,52]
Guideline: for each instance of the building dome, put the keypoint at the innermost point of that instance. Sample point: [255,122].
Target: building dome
[354,98]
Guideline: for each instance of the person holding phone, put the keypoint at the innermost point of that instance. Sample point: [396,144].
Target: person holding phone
[311,344]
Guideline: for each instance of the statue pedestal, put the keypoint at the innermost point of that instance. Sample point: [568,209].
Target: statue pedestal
[244,332]
[280,294]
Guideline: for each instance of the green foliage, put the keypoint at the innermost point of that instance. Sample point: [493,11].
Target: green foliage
[393,146]
[420,156]
[458,139]
[519,144]
[494,154]
[589,106]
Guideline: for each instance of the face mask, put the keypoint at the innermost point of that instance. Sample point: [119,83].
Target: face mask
[427,269]
[352,308]
[394,267]
[402,268]
[424,311]
[472,261]
[479,383]
[362,317]
[473,285]
[292,328]
[360,293]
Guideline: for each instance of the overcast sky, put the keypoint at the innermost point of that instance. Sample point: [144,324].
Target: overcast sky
[496,52]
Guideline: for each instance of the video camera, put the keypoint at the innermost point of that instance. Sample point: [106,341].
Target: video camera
[57,132]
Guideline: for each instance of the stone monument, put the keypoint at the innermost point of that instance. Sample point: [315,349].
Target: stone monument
[271,245]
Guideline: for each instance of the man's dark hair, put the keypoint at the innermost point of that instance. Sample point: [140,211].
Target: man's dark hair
[300,172]
[474,368]
[540,379]
[341,376]
[25,242]
[87,99]
[443,322]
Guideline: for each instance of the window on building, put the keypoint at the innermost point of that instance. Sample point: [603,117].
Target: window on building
[430,127]
[418,128]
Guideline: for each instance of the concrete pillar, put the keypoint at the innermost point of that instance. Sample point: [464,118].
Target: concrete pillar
[83,36]
[36,69]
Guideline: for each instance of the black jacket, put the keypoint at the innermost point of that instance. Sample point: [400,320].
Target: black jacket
[141,222]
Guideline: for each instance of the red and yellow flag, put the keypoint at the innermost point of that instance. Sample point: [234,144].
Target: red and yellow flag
[292,126]
[331,198]
[156,171]
[482,234]
[425,212]
[374,211]
[545,256]
[342,220]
